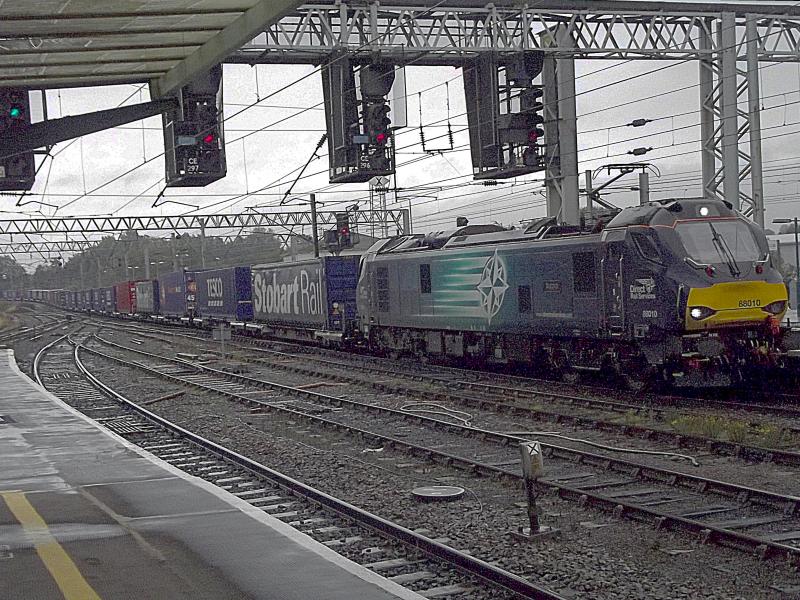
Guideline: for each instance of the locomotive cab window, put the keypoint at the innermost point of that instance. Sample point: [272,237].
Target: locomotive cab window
[718,241]
[425,279]
[584,273]
[646,247]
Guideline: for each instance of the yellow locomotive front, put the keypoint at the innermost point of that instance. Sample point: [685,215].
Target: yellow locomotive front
[732,299]
[736,283]
[705,300]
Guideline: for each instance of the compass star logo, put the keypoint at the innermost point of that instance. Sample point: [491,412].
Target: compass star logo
[492,286]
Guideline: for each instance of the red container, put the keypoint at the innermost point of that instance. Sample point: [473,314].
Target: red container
[126,297]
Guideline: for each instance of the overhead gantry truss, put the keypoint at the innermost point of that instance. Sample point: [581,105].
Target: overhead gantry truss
[452,32]
[47,247]
[728,40]
[397,221]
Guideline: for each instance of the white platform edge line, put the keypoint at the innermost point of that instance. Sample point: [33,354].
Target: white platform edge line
[241,505]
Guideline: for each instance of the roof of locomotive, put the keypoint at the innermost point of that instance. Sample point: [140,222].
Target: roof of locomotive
[666,212]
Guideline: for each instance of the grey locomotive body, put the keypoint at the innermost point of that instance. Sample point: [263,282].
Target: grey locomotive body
[633,297]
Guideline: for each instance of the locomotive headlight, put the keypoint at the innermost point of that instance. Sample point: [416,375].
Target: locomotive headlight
[698,313]
[775,308]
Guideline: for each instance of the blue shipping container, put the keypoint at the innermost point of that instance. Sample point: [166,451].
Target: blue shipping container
[224,294]
[95,299]
[107,299]
[309,294]
[84,300]
[172,294]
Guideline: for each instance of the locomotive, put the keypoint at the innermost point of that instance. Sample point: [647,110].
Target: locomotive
[684,290]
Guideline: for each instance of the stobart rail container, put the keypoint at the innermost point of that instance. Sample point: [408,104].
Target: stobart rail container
[224,294]
[308,299]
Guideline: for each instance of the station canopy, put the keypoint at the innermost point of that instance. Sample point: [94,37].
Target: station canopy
[74,43]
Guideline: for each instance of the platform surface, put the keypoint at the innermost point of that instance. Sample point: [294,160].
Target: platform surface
[84,515]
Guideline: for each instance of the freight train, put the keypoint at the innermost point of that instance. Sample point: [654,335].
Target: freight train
[684,290]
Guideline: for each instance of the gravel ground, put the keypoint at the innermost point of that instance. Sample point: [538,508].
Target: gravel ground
[594,557]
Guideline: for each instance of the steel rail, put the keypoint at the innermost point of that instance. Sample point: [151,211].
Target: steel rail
[720,447]
[37,360]
[464,562]
[789,505]
[673,400]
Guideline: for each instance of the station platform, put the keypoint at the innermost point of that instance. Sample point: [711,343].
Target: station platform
[84,515]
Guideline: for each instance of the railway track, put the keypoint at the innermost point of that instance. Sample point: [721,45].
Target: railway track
[504,383]
[427,565]
[31,332]
[754,520]
[535,405]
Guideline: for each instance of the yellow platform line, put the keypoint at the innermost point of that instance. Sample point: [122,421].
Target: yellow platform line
[66,575]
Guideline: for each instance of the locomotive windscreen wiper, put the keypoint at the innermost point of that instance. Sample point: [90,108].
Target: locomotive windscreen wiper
[724,251]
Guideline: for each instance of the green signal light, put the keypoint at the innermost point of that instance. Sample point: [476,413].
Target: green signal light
[15,112]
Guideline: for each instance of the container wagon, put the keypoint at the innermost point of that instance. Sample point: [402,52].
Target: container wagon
[147,300]
[311,300]
[224,295]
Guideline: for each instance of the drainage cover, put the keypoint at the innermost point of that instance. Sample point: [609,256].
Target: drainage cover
[434,493]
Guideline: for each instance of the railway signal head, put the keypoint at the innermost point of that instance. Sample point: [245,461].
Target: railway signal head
[193,136]
[17,169]
[343,230]
[377,122]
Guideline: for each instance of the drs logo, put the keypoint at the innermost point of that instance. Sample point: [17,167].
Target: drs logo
[214,291]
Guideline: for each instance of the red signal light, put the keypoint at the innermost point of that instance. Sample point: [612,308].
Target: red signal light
[209,138]
[344,231]
[532,137]
[381,138]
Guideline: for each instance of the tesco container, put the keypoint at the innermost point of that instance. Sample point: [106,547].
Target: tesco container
[147,301]
[319,293]
[224,294]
